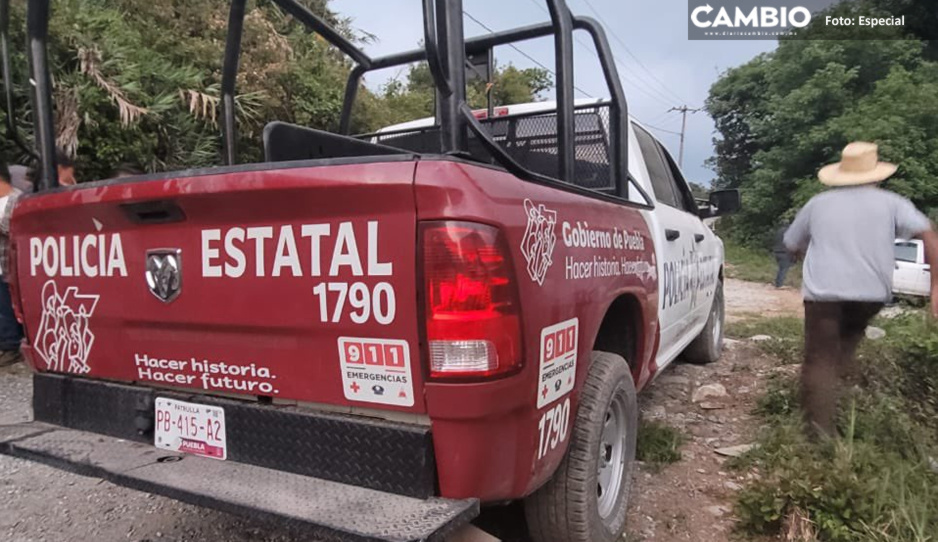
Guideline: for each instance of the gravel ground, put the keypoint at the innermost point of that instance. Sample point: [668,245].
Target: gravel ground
[747,299]
[39,503]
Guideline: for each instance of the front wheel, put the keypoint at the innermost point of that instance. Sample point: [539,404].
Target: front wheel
[708,346]
[586,498]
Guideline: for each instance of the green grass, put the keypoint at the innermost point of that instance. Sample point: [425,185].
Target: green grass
[787,343]
[871,483]
[786,327]
[746,263]
[659,444]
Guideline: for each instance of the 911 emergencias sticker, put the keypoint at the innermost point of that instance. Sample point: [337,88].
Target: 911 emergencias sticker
[376,371]
[558,361]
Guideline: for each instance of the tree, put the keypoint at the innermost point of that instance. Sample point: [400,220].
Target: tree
[415,98]
[783,115]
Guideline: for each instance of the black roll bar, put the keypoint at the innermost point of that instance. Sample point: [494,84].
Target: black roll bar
[229,77]
[451,47]
[619,107]
[432,52]
[445,51]
[10,109]
[619,117]
[563,52]
[314,23]
[233,53]
[37,33]
[351,91]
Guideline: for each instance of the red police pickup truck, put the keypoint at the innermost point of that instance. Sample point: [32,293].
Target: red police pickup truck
[374,335]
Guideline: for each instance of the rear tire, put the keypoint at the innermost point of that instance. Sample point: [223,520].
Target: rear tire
[587,497]
[708,346]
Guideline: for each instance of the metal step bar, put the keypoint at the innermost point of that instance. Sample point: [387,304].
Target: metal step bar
[330,510]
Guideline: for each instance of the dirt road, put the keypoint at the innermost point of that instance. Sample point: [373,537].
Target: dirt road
[689,500]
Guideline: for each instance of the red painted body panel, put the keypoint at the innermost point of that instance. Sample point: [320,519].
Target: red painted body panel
[487,435]
[271,322]
[572,256]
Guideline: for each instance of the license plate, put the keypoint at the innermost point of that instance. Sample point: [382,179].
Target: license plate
[190,428]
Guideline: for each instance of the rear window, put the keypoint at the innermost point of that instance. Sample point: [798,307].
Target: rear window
[907,252]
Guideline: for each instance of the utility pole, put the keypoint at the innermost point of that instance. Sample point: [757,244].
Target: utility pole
[684,110]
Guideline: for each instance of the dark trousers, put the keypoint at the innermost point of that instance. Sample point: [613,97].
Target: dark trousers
[11,333]
[784,264]
[832,331]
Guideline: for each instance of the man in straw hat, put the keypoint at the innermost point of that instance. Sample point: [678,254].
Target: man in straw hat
[848,234]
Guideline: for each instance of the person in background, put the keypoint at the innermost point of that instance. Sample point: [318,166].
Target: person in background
[847,234]
[20,179]
[127,170]
[64,165]
[782,257]
[11,333]
[66,168]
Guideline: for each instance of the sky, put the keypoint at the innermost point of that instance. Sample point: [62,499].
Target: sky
[660,68]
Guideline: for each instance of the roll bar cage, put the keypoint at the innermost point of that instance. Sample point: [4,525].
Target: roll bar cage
[445,51]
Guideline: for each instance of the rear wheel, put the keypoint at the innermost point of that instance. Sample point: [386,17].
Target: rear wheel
[708,346]
[587,497]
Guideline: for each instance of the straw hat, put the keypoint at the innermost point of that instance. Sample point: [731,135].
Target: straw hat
[859,164]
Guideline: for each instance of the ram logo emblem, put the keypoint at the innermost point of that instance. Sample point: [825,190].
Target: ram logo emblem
[164,273]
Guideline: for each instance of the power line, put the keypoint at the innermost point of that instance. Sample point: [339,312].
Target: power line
[657,96]
[522,53]
[538,63]
[635,58]
[653,127]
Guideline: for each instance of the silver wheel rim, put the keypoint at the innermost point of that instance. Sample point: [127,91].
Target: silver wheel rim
[611,460]
[717,322]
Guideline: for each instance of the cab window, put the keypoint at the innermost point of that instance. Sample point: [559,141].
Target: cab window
[657,168]
[684,195]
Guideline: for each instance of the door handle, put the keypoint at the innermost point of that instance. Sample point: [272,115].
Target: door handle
[698,237]
[671,235]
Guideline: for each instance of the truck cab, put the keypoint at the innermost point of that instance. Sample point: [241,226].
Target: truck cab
[412,323]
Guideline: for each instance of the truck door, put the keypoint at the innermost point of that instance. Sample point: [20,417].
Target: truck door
[906,264]
[912,275]
[923,274]
[704,263]
[674,246]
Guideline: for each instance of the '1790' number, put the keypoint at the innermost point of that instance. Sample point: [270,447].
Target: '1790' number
[363,302]
[553,428]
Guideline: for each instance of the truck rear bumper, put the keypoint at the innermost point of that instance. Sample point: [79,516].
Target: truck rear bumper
[330,509]
[374,454]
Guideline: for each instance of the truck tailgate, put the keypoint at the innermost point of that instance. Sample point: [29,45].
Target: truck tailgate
[291,284]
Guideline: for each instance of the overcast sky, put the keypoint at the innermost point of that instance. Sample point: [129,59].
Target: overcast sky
[664,68]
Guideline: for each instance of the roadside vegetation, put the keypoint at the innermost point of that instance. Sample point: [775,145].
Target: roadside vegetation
[659,444]
[745,262]
[878,481]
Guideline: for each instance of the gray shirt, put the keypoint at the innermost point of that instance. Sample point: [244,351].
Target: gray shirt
[849,234]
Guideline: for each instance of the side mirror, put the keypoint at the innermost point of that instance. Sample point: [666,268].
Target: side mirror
[721,202]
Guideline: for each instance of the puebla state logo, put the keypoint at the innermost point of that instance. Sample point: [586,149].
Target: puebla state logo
[539,241]
[64,338]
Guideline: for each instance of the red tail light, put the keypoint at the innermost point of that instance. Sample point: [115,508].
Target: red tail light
[472,313]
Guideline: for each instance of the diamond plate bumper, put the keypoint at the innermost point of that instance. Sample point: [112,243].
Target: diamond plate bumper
[331,510]
[386,456]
